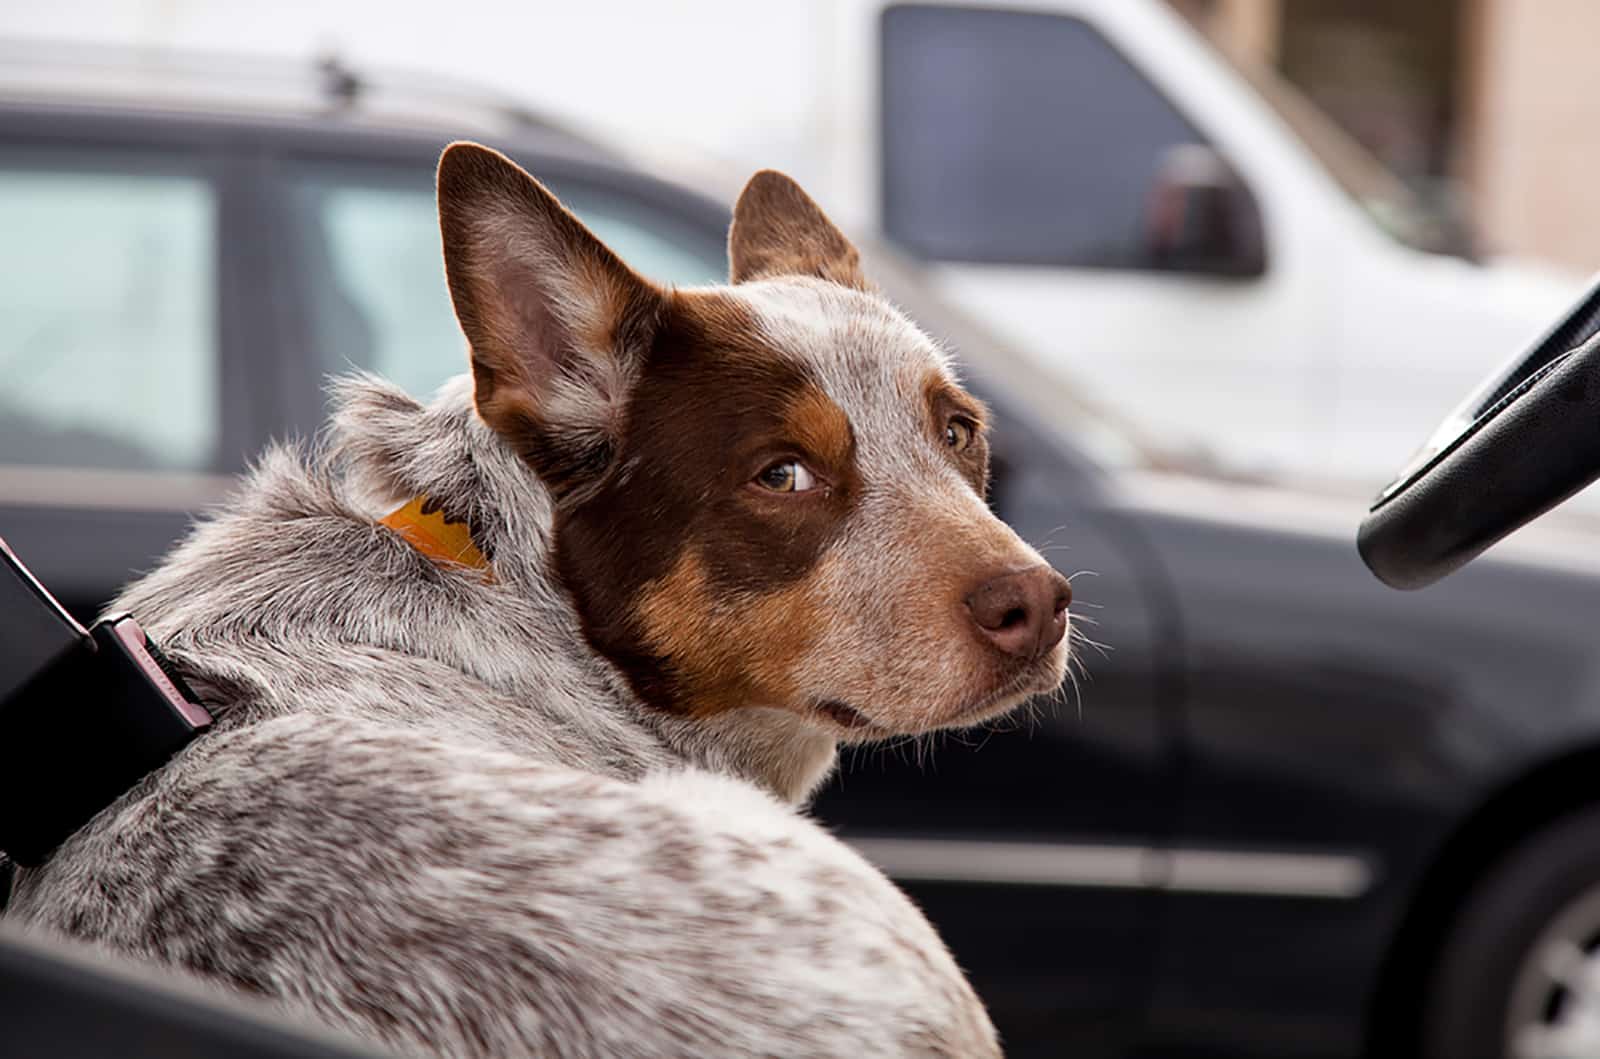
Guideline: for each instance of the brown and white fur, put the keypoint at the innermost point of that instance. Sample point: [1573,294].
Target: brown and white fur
[551,810]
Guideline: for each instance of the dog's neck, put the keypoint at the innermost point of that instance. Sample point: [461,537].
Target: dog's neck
[390,449]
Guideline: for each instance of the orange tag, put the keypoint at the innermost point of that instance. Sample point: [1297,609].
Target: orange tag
[428,532]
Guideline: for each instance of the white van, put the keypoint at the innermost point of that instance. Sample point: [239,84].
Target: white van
[1198,246]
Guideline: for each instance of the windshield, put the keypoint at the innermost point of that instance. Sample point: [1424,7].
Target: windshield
[1386,199]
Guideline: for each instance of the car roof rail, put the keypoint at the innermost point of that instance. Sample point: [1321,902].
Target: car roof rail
[321,86]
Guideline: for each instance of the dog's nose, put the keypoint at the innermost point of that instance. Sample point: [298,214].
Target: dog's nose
[1024,613]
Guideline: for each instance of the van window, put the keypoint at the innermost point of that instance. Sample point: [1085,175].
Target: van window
[1018,137]
[368,257]
[108,298]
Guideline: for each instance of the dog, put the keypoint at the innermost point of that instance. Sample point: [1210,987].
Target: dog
[518,694]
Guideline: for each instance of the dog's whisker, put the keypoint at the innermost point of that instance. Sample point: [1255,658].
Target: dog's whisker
[1077,692]
[1050,535]
[1103,650]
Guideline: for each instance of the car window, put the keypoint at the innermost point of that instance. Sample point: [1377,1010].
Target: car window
[371,270]
[108,294]
[1018,137]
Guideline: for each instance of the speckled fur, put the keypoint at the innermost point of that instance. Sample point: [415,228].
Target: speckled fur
[431,815]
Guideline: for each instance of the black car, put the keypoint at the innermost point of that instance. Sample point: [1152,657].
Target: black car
[1291,812]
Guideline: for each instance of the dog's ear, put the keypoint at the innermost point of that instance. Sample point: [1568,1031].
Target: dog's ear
[558,326]
[779,231]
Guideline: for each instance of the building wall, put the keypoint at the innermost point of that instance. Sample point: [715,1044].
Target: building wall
[1514,114]
[1531,145]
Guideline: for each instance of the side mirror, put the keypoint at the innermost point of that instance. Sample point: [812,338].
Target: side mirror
[1520,444]
[1202,218]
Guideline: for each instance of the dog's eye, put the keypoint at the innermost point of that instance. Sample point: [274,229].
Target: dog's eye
[791,476]
[958,433]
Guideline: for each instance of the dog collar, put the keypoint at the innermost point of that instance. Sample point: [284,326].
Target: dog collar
[84,714]
[423,525]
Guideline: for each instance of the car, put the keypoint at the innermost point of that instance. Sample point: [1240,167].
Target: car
[1281,792]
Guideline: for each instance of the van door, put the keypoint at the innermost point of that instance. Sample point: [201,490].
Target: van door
[1036,161]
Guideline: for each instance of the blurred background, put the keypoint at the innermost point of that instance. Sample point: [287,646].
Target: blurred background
[1219,265]
[1459,126]
[1479,105]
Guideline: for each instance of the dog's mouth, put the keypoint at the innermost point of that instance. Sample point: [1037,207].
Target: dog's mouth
[858,727]
[844,715]
[999,704]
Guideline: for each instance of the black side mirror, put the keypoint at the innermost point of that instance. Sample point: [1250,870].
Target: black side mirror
[1202,218]
[1520,444]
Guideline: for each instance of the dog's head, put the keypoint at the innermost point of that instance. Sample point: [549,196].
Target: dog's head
[768,494]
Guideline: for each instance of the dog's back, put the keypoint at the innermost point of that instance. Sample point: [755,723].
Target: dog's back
[447,898]
[532,792]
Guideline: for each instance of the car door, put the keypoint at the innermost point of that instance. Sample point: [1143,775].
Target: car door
[1337,734]
[1027,844]
[126,402]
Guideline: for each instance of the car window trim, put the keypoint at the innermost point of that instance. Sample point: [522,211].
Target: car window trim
[110,489]
[84,143]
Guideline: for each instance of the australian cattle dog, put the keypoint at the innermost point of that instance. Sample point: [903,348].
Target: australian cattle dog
[519,692]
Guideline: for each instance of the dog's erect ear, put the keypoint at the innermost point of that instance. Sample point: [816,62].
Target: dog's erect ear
[558,325]
[779,231]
